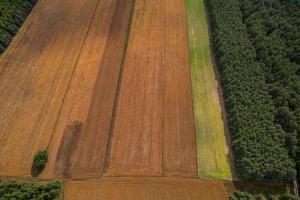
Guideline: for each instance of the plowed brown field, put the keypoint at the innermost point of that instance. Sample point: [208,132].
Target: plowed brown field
[145,189]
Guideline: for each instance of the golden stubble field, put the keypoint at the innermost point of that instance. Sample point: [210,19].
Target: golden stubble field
[105,87]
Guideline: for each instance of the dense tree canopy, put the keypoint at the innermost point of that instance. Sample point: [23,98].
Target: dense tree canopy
[258,142]
[13,190]
[274,30]
[12,15]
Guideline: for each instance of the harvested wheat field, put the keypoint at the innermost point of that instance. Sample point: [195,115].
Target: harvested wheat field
[105,90]
[105,87]
[153,129]
[35,74]
[145,188]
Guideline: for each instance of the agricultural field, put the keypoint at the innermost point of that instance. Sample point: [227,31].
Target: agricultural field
[213,152]
[154,99]
[153,129]
[166,188]
[71,92]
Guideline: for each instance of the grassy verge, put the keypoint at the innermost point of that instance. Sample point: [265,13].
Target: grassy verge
[212,150]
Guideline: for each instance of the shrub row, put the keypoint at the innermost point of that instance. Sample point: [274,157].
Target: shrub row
[274,30]
[24,191]
[12,15]
[257,143]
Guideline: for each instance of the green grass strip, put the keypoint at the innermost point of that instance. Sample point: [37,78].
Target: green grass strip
[212,151]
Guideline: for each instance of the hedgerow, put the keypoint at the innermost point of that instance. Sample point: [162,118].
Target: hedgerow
[12,15]
[258,144]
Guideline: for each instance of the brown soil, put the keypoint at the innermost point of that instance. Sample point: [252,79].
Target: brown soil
[146,189]
[69,143]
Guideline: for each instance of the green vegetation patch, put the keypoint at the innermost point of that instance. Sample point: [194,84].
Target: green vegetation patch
[15,190]
[39,162]
[212,150]
[12,15]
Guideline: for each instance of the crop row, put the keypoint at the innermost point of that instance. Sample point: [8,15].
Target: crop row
[258,144]
[12,15]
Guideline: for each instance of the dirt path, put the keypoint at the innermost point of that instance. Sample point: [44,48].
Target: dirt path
[146,189]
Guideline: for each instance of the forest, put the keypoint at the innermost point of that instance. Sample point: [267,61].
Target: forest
[274,30]
[259,141]
[12,15]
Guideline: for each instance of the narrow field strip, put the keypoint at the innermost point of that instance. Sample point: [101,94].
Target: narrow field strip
[153,132]
[145,188]
[88,104]
[179,142]
[136,147]
[212,149]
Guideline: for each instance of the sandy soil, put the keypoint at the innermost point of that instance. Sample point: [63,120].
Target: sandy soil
[146,189]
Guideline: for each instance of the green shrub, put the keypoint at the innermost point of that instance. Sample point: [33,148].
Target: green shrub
[40,160]
[238,195]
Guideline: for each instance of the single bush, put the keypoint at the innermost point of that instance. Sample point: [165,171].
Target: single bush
[40,160]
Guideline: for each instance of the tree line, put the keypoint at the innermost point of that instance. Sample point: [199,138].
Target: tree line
[16,190]
[12,15]
[258,142]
